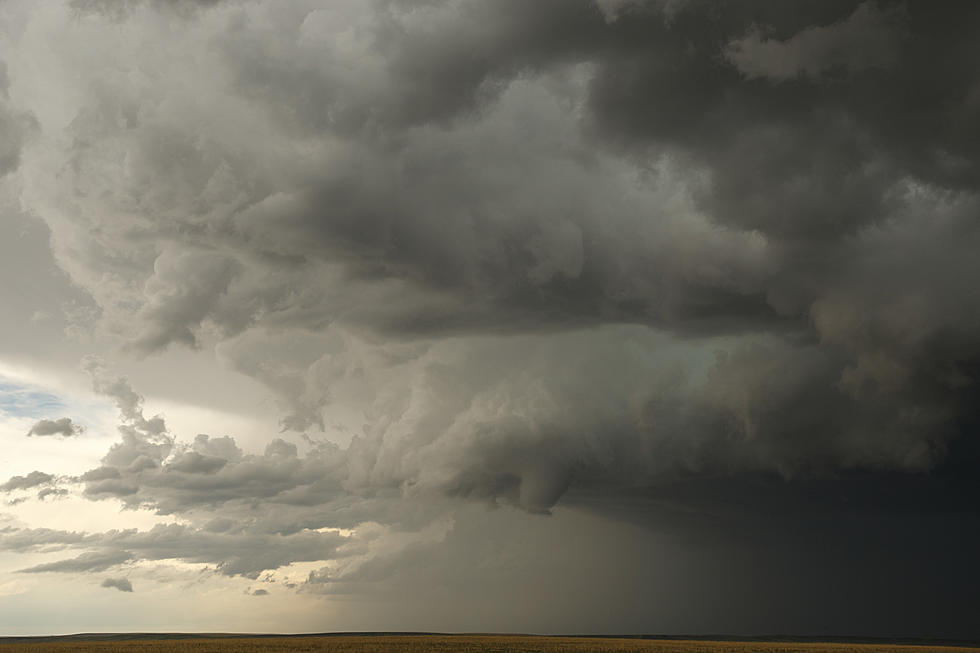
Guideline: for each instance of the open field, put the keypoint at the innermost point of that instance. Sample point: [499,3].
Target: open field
[456,644]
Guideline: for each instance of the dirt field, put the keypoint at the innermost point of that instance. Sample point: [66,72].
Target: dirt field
[462,644]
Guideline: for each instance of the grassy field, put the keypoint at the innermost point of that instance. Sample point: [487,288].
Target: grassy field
[461,644]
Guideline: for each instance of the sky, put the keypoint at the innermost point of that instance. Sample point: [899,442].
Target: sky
[563,316]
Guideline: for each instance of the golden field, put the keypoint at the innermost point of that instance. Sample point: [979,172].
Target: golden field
[453,644]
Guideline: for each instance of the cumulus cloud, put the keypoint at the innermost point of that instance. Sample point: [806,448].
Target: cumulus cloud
[62,426]
[121,584]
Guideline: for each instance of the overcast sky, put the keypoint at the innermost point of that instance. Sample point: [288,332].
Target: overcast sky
[579,316]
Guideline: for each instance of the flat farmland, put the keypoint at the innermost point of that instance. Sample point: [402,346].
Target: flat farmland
[454,644]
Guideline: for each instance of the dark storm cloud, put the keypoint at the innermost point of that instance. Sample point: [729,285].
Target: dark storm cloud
[868,38]
[822,148]
[121,584]
[421,179]
[525,252]
[61,426]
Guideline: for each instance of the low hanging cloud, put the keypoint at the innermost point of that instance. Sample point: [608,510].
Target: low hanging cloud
[62,426]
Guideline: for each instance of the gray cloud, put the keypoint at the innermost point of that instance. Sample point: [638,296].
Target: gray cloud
[62,426]
[148,468]
[31,480]
[445,212]
[21,540]
[639,165]
[247,553]
[51,492]
[868,38]
[121,584]
[515,253]
[85,562]
[16,126]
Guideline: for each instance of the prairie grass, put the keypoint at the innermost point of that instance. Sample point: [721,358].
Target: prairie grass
[458,644]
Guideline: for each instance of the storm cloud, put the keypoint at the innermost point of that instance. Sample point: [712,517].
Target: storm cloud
[659,261]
